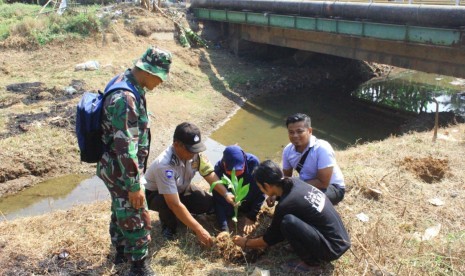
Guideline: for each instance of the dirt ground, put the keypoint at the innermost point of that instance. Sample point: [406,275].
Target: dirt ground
[392,182]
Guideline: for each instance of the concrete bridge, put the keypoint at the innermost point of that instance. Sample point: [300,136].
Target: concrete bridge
[429,38]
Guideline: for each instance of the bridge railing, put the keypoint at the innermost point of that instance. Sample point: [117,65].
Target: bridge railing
[417,2]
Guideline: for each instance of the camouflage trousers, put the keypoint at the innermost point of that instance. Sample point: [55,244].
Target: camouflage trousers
[129,227]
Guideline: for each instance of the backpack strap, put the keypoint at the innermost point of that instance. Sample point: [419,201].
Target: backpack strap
[300,165]
[117,83]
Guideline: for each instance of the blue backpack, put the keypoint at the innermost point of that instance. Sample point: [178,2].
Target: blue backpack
[88,119]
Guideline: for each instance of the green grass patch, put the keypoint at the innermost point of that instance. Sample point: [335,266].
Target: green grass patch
[22,20]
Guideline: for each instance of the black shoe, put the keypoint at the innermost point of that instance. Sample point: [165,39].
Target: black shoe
[168,233]
[119,256]
[141,268]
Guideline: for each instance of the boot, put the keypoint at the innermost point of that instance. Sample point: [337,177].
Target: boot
[168,233]
[141,268]
[119,256]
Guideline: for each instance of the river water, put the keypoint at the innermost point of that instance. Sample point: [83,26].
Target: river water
[375,111]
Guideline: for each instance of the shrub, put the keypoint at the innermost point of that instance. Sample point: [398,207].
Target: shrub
[27,27]
[83,24]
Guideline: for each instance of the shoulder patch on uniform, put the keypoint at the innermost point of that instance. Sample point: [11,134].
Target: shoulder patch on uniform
[169,174]
[174,160]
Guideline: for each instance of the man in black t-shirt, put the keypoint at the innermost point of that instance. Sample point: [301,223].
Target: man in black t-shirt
[304,217]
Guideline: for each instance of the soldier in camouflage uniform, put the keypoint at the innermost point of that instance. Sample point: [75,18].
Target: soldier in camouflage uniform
[126,134]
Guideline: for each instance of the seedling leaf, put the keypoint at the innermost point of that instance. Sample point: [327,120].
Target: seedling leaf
[242,193]
[239,185]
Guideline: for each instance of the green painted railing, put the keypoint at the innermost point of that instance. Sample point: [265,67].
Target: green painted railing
[410,34]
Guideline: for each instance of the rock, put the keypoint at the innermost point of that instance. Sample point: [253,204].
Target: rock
[70,90]
[362,217]
[91,65]
[436,201]
[80,67]
[431,232]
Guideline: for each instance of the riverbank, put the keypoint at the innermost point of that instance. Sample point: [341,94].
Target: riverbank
[404,210]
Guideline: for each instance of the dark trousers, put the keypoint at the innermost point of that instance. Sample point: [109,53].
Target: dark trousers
[250,206]
[334,193]
[308,243]
[196,200]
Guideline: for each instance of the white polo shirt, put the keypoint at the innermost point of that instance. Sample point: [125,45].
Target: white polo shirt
[170,175]
[321,156]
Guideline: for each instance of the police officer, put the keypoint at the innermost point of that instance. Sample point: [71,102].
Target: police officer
[169,189]
[126,134]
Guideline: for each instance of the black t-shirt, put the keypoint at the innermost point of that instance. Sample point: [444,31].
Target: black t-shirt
[313,207]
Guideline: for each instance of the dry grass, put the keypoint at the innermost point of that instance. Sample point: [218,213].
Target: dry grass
[28,26]
[390,243]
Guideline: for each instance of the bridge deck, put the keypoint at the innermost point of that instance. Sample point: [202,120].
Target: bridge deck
[424,38]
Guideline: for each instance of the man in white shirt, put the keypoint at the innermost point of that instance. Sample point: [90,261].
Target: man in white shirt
[169,190]
[312,158]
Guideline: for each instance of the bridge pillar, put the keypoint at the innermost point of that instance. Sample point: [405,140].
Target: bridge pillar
[242,47]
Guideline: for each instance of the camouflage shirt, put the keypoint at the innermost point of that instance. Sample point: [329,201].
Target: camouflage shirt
[126,133]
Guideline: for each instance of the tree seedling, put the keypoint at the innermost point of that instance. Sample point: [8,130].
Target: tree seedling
[237,189]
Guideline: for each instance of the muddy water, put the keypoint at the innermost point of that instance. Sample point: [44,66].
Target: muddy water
[67,191]
[57,193]
[372,113]
[259,127]
[414,92]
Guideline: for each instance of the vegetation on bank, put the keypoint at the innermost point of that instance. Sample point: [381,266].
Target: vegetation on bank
[23,21]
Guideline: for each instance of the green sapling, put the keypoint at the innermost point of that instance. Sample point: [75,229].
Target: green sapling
[238,190]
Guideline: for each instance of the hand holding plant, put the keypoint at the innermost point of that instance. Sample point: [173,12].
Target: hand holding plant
[237,189]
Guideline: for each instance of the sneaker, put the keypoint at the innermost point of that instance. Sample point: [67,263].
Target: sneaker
[141,268]
[168,233]
[299,266]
